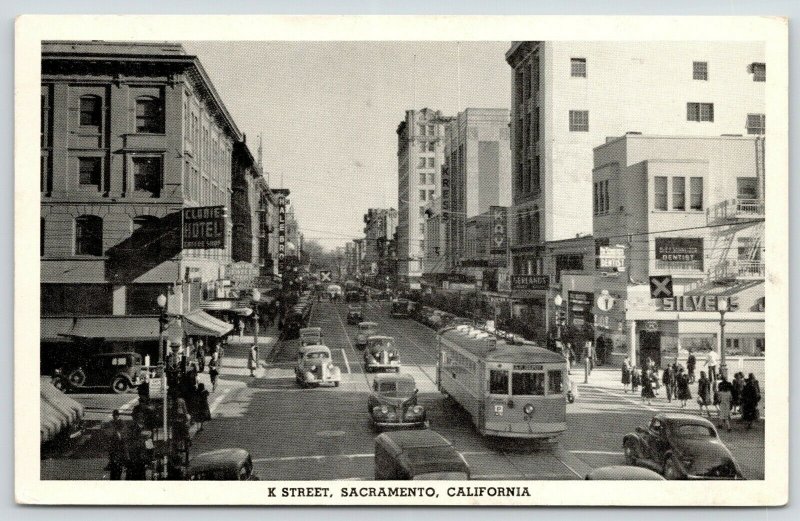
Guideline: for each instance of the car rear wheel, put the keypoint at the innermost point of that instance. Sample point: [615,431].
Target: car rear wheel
[120,385]
[671,470]
[60,384]
[630,453]
[77,378]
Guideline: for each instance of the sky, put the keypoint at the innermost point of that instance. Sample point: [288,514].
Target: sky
[328,113]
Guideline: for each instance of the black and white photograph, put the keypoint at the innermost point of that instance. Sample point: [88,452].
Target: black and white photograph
[509,261]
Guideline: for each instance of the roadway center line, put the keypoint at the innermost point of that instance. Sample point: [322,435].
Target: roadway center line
[346,363]
[347,337]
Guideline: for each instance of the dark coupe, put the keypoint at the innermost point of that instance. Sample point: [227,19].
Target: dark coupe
[681,446]
[393,403]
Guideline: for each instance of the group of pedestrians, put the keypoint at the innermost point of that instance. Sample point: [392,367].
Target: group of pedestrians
[741,395]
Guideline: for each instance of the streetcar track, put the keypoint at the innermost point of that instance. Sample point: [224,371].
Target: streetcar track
[349,342]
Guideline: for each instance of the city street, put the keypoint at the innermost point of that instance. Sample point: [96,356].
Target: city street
[324,433]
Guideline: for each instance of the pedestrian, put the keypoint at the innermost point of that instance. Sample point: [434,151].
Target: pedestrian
[181,420]
[668,380]
[636,379]
[626,374]
[647,386]
[691,363]
[751,395]
[202,408]
[252,362]
[201,356]
[240,328]
[682,391]
[213,372]
[711,364]
[737,385]
[724,394]
[138,452]
[704,393]
[117,447]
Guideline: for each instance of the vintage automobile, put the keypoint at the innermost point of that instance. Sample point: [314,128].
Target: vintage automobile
[118,371]
[355,314]
[314,367]
[381,354]
[222,465]
[393,403]
[365,330]
[418,454]
[623,473]
[310,336]
[353,295]
[680,446]
[400,308]
[334,291]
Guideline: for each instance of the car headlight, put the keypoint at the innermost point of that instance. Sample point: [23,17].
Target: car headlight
[415,411]
[330,366]
[528,408]
[313,368]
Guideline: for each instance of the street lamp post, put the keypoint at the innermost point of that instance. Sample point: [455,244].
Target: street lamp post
[558,300]
[162,325]
[256,299]
[722,306]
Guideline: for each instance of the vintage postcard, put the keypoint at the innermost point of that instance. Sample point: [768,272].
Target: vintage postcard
[517,260]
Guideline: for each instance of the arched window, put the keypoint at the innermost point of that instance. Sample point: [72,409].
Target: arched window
[149,115]
[89,235]
[91,111]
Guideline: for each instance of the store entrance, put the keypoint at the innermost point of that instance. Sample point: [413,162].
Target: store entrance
[650,347]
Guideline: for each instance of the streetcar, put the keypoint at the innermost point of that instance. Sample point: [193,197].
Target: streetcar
[509,390]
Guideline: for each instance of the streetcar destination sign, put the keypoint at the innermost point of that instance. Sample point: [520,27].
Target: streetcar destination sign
[204,228]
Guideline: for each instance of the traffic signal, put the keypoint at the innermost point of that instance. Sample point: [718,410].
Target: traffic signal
[561,317]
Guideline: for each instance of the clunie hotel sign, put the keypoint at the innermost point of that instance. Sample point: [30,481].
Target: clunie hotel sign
[203,228]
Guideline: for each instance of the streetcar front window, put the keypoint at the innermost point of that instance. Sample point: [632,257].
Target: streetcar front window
[555,382]
[527,384]
[498,382]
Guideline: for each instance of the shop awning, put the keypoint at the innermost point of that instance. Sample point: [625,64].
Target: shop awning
[57,411]
[124,327]
[200,323]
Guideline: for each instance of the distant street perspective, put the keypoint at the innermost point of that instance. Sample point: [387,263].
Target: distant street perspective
[530,260]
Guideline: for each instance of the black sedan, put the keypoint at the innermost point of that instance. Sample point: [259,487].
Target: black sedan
[680,446]
[393,403]
[355,314]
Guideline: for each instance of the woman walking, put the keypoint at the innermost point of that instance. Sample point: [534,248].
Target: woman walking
[668,379]
[252,362]
[751,395]
[203,409]
[682,393]
[724,394]
[647,386]
[737,386]
[636,380]
[704,393]
[213,372]
[626,374]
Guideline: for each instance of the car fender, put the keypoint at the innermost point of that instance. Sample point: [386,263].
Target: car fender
[336,372]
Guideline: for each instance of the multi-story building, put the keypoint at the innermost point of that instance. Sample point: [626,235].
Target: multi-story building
[691,208]
[477,172]
[379,229]
[420,154]
[486,247]
[567,97]
[131,135]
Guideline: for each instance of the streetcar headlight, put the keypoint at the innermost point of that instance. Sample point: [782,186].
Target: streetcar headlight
[528,408]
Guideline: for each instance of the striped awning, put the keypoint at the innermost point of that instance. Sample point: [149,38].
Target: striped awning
[200,323]
[57,411]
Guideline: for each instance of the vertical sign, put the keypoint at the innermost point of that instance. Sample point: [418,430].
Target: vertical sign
[499,231]
[281,232]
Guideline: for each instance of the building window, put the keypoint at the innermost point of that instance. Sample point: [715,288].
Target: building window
[150,116]
[431,178]
[579,121]
[679,193]
[422,245]
[696,193]
[756,124]
[700,112]
[147,175]
[90,172]
[423,146]
[423,129]
[534,226]
[41,236]
[700,71]
[90,111]
[430,195]
[431,146]
[431,162]
[423,195]
[660,193]
[421,163]
[422,211]
[747,188]
[601,204]
[578,67]
[759,71]
[536,128]
[422,228]
[422,178]
[431,130]
[89,235]
[536,175]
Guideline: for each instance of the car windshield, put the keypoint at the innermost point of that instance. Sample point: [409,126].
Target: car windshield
[692,430]
[399,387]
[316,355]
[386,344]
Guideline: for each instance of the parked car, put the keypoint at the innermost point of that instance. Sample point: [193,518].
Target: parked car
[311,336]
[353,295]
[365,330]
[623,473]
[314,367]
[393,403]
[681,446]
[117,371]
[421,454]
[381,354]
[222,465]
[400,308]
[355,314]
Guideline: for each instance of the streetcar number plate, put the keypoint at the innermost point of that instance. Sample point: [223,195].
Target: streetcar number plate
[498,410]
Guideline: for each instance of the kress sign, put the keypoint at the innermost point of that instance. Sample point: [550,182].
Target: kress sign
[697,303]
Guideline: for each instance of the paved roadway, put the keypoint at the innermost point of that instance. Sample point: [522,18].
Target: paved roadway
[324,433]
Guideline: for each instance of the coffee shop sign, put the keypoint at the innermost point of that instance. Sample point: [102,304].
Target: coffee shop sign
[697,303]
